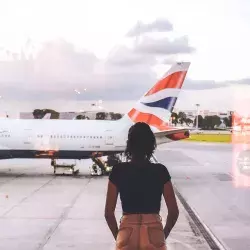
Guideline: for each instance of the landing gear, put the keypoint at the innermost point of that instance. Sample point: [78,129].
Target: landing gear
[64,168]
[100,167]
[96,170]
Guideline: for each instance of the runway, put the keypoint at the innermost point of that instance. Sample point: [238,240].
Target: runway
[203,174]
[41,211]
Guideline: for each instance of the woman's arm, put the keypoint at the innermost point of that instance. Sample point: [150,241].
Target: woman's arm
[111,199]
[173,211]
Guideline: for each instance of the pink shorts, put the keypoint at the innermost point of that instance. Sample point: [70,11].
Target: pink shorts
[141,232]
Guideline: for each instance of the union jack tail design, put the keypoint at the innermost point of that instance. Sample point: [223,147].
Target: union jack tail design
[156,106]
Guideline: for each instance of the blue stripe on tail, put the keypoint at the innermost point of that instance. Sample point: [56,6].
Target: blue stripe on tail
[166,103]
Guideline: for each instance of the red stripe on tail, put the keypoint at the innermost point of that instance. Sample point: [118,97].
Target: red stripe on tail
[175,80]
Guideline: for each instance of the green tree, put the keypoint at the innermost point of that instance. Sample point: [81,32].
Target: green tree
[117,116]
[80,117]
[112,115]
[226,121]
[189,121]
[174,118]
[54,114]
[100,116]
[230,123]
[200,121]
[182,117]
[40,113]
[210,122]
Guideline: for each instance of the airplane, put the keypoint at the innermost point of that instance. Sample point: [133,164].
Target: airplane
[85,139]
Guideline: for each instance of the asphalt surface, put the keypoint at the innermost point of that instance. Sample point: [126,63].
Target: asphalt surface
[207,177]
[41,211]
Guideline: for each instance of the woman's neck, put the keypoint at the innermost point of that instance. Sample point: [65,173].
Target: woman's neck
[139,159]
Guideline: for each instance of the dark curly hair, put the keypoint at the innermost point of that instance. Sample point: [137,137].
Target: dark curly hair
[141,141]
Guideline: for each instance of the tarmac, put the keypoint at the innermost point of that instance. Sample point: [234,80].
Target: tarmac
[39,210]
[206,176]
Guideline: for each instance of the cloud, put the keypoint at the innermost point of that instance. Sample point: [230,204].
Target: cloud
[56,66]
[124,56]
[210,84]
[127,73]
[159,25]
[190,84]
[59,68]
[58,63]
[164,46]
[169,60]
[245,81]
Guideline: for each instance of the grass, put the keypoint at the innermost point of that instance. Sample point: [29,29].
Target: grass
[225,138]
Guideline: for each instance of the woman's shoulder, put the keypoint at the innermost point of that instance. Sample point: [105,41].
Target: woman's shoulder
[158,165]
[120,165]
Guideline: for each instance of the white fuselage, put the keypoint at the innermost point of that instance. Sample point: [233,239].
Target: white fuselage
[71,139]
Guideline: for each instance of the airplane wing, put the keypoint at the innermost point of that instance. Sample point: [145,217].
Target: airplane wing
[174,134]
[171,132]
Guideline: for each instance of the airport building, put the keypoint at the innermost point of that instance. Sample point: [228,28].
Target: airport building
[26,115]
[192,113]
[91,115]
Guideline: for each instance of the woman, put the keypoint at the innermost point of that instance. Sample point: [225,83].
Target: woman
[141,185]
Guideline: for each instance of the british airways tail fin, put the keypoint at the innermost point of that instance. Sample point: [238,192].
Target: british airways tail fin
[156,105]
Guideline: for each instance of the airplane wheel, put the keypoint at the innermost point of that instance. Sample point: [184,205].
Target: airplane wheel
[76,172]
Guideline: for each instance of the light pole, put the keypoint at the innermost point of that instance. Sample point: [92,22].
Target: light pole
[197,114]
[2,100]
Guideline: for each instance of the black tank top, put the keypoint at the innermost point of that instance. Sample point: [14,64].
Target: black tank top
[140,187]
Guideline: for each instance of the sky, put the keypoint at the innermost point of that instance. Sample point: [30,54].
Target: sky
[52,50]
